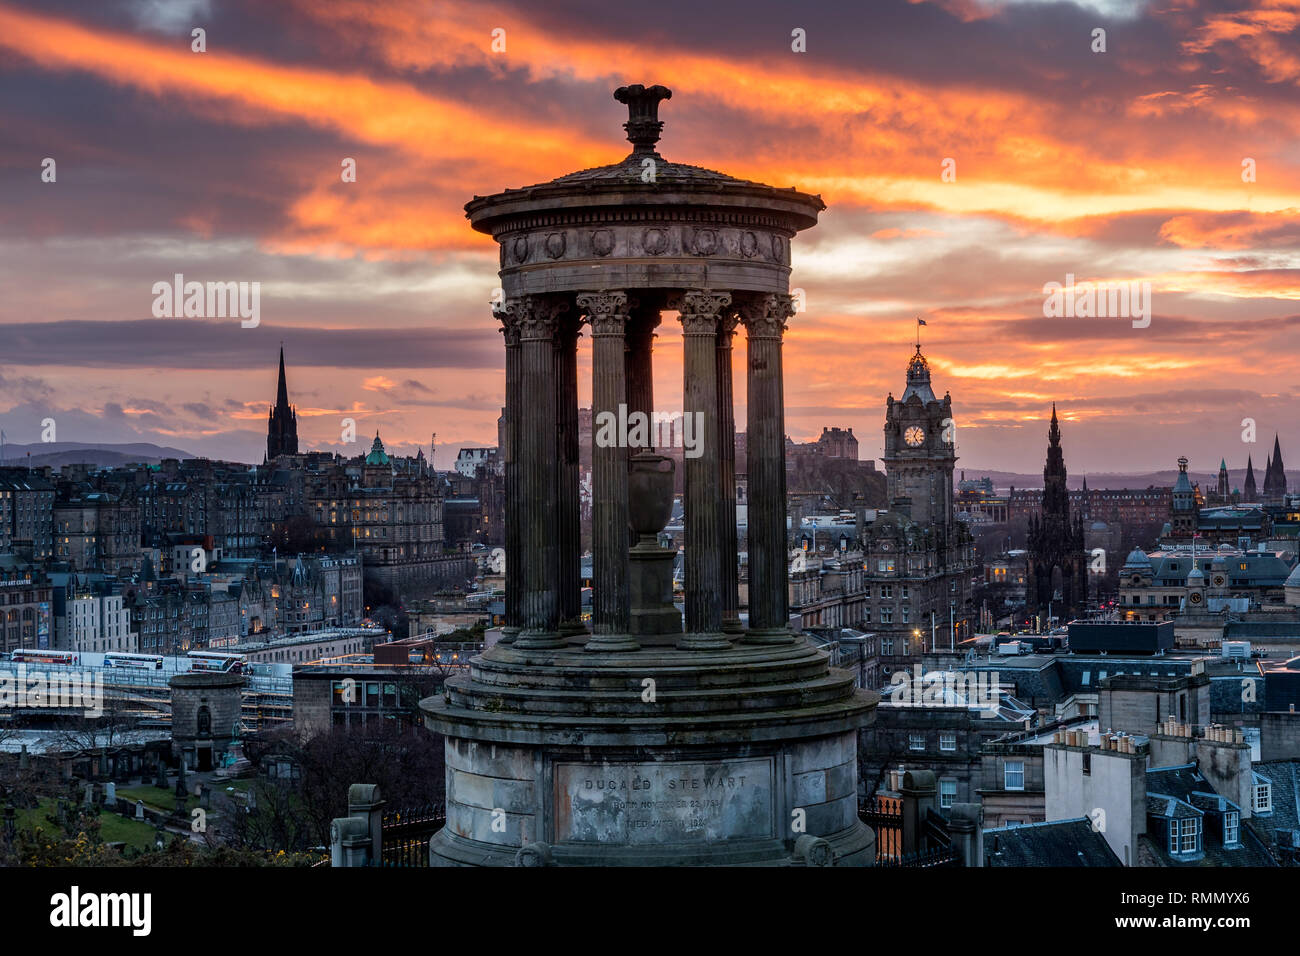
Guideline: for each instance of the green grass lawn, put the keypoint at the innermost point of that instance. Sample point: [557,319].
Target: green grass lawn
[155,797]
[113,828]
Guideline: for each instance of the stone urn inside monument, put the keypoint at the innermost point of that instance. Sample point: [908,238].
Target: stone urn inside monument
[650,505]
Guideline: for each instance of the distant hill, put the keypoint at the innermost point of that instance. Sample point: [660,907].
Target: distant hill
[59,453]
[1002,480]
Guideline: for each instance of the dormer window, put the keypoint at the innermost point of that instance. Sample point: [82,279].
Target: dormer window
[1263,796]
[1184,836]
[1231,827]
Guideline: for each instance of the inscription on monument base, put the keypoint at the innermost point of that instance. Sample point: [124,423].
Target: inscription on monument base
[671,802]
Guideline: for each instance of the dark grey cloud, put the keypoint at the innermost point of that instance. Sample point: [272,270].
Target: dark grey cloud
[221,344]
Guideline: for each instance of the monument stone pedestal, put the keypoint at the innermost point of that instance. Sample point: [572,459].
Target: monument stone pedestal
[657,757]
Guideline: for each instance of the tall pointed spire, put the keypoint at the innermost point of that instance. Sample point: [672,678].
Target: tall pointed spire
[282,428]
[1056,500]
[1275,475]
[282,392]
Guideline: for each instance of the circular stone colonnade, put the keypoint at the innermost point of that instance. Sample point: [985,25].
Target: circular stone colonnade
[642,741]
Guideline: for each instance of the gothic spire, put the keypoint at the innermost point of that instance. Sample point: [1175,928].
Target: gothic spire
[1056,499]
[282,391]
[282,424]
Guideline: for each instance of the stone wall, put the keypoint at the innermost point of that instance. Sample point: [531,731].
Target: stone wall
[1279,735]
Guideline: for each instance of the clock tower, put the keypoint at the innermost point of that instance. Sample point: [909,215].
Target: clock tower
[919,448]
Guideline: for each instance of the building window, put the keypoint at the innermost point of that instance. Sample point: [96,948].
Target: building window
[1184,836]
[1264,797]
[916,741]
[1231,827]
[947,794]
[947,741]
[1013,775]
[886,615]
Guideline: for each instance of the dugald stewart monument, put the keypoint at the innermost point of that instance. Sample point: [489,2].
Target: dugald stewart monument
[646,740]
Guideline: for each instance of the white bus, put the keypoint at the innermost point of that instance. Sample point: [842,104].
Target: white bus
[144,662]
[220,662]
[32,655]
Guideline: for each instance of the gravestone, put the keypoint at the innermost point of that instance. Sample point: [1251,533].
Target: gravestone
[139,809]
[110,794]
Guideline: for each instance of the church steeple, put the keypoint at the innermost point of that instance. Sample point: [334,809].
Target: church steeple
[1248,488]
[282,392]
[1275,475]
[282,420]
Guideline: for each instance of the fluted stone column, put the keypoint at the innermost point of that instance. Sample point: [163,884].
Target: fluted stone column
[568,516]
[607,312]
[700,313]
[538,317]
[727,473]
[510,457]
[764,318]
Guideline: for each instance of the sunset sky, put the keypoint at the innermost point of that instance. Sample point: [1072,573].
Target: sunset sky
[225,166]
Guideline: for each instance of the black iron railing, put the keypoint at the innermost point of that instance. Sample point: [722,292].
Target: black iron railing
[885,816]
[406,834]
[944,856]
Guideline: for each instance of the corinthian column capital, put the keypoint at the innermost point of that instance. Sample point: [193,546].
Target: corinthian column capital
[504,312]
[700,311]
[764,316]
[606,311]
[728,319]
[537,316]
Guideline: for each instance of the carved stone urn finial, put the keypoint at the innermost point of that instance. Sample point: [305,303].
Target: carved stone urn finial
[643,124]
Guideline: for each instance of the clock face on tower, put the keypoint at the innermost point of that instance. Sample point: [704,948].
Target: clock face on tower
[914,436]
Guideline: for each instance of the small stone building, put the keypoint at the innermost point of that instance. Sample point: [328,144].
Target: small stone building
[205,717]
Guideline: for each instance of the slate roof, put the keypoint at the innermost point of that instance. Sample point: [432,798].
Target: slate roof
[1180,782]
[1182,792]
[1281,827]
[1058,843]
[1171,808]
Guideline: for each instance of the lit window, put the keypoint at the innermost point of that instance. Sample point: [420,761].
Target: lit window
[947,793]
[1013,775]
